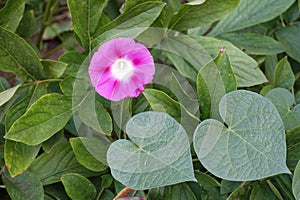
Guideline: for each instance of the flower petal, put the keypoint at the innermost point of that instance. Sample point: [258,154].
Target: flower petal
[102,61]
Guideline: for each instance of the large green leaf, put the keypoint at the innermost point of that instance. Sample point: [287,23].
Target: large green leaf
[250,145]
[131,23]
[17,56]
[6,95]
[78,187]
[23,187]
[254,43]
[85,17]
[90,152]
[245,68]
[42,120]
[157,155]
[249,13]
[287,37]
[284,102]
[11,14]
[296,181]
[49,167]
[190,16]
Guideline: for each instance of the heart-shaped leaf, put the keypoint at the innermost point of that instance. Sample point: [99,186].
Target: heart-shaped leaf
[251,143]
[157,155]
[283,101]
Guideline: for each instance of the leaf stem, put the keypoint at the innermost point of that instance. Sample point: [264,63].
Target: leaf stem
[100,193]
[123,193]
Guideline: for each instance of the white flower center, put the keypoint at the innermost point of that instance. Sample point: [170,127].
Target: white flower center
[122,69]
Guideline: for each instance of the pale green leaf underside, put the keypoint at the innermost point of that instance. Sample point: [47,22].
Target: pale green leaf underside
[284,100]
[157,155]
[251,148]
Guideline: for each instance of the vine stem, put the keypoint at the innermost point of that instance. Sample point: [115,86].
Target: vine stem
[123,193]
[50,9]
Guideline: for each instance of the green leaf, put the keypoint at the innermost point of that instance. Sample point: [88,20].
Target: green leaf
[191,15]
[238,193]
[296,181]
[206,180]
[130,23]
[229,186]
[293,144]
[261,191]
[122,112]
[6,95]
[42,120]
[254,43]
[129,4]
[28,25]
[161,102]
[49,166]
[245,68]
[284,76]
[17,56]
[251,139]
[224,65]
[93,114]
[270,67]
[90,152]
[85,17]
[11,14]
[57,138]
[180,191]
[287,37]
[157,155]
[285,183]
[186,54]
[53,68]
[258,10]
[23,187]
[74,61]
[19,156]
[78,187]
[210,91]
[284,102]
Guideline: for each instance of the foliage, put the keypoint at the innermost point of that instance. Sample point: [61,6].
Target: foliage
[220,120]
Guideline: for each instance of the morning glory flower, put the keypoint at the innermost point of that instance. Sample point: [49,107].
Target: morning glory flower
[121,68]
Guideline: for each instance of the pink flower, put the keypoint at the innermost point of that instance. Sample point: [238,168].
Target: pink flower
[121,68]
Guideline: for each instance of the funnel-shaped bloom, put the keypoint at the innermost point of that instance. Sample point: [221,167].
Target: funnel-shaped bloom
[121,68]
